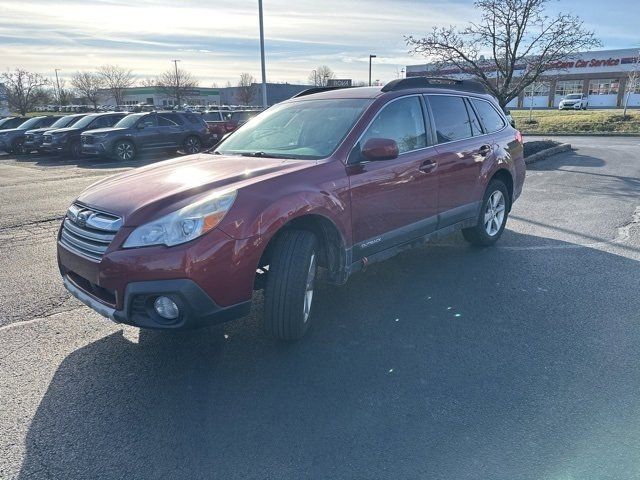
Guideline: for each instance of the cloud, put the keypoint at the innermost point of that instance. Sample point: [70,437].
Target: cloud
[219,39]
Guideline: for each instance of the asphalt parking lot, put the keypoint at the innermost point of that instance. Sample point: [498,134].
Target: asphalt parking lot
[446,362]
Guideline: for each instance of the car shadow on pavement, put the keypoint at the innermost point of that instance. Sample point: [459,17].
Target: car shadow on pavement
[567,159]
[446,362]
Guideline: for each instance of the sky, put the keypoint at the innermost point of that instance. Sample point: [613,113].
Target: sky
[216,40]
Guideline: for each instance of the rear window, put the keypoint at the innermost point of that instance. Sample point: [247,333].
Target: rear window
[212,117]
[489,117]
[192,118]
[451,118]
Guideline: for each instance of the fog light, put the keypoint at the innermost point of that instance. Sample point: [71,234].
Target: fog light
[166,308]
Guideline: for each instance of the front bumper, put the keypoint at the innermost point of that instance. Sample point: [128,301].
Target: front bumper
[197,309]
[576,106]
[211,279]
[56,147]
[94,149]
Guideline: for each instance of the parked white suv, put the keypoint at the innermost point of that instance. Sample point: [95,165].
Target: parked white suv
[575,101]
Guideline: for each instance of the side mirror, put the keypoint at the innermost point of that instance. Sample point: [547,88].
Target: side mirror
[376,149]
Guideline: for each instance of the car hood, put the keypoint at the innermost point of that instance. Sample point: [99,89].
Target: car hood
[39,130]
[12,130]
[149,192]
[64,130]
[104,130]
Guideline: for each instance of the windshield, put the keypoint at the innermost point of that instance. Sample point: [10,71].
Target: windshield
[310,129]
[574,96]
[65,121]
[29,123]
[129,121]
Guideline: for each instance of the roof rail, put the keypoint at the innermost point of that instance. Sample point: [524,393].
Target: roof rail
[312,90]
[434,82]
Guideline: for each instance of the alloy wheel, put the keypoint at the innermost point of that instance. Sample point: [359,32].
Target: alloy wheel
[124,151]
[494,213]
[192,145]
[308,293]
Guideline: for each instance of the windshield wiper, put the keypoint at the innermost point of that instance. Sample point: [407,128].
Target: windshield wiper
[265,155]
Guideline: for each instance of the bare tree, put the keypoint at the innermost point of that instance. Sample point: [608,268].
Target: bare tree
[88,85]
[63,95]
[24,90]
[116,81]
[148,82]
[514,33]
[246,89]
[321,75]
[177,84]
[633,83]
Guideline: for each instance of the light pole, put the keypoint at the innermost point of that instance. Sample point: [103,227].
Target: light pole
[264,71]
[175,62]
[58,84]
[370,57]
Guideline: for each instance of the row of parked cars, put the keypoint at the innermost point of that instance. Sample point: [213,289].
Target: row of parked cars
[119,135]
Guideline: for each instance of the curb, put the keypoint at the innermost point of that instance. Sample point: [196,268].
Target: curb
[579,134]
[565,147]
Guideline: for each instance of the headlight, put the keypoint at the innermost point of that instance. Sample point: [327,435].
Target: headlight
[185,224]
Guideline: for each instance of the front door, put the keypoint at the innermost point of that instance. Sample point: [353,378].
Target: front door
[148,134]
[394,201]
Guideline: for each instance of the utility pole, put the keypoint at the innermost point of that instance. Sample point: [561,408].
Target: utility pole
[370,57]
[264,70]
[175,62]
[58,84]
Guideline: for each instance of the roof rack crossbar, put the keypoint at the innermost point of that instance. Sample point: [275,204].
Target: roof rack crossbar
[434,82]
[312,90]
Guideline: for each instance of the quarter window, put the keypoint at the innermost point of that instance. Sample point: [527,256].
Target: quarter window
[451,118]
[489,117]
[401,120]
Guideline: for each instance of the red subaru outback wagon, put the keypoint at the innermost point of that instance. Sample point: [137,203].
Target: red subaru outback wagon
[314,188]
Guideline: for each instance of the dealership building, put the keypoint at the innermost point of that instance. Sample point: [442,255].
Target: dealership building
[600,75]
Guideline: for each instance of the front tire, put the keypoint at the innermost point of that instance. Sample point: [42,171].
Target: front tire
[124,151]
[289,290]
[492,217]
[18,148]
[75,149]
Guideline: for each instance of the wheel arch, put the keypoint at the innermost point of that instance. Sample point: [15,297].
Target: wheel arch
[505,177]
[332,254]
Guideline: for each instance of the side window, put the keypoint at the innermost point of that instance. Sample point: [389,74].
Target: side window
[192,118]
[149,121]
[175,118]
[165,122]
[109,121]
[489,117]
[451,118]
[401,120]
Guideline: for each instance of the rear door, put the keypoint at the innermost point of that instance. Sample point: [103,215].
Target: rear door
[169,126]
[463,148]
[394,201]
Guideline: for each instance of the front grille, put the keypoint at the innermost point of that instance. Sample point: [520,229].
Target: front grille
[89,232]
[86,140]
[28,137]
[47,138]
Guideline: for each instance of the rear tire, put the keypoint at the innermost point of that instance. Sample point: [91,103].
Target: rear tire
[492,217]
[124,151]
[192,145]
[290,285]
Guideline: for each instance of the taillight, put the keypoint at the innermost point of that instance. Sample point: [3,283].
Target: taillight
[519,136]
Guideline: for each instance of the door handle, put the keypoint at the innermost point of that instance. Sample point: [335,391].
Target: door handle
[484,150]
[428,166]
